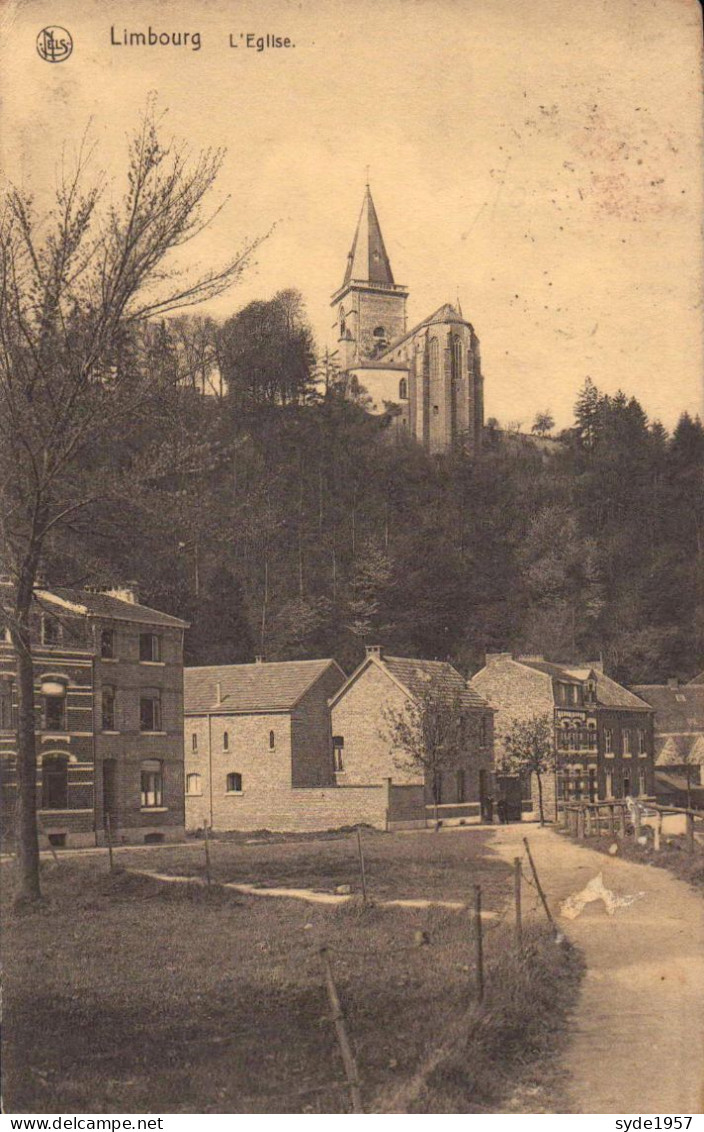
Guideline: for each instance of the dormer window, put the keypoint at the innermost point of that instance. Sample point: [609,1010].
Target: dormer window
[591,692]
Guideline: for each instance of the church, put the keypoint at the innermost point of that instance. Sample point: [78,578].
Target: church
[427,379]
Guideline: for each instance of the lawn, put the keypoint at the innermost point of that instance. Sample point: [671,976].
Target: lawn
[123,994]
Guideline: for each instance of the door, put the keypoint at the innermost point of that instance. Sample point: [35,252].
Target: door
[508,789]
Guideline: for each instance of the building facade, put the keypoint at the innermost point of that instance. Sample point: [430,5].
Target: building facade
[258,743]
[603,732]
[426,378]
[678,739]
[364,748]
[109,712]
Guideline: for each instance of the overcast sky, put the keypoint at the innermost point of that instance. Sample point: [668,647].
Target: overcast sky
[541,161]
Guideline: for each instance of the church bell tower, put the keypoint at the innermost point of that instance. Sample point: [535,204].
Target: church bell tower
[370,307]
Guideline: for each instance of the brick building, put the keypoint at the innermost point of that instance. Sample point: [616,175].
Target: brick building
[603,732]
[109,711]
[679,739]
[364,751]
[258,747]
[427,377]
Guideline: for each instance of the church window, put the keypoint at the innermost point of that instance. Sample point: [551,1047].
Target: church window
[343,324]
[403,389]
[434,359]
[457,357]
[379,333]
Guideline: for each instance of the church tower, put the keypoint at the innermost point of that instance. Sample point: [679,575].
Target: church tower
[370,307]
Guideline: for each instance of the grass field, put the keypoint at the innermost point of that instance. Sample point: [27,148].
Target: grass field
[123,994]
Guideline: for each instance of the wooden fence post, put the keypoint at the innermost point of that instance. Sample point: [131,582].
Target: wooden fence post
[636,821]
[478,941]
[612,822]
[338,1020]
[580,823]
[517,897]
[361,865]
[690,833]
[108,834]
[657,832]
[587,821]
[206,844]
[538,885]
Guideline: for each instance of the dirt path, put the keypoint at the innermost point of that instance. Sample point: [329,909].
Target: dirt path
[638,1030]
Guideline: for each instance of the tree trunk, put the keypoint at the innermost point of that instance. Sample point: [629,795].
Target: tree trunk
[26,833]
[540,798]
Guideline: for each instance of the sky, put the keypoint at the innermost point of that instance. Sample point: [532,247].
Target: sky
[541,162]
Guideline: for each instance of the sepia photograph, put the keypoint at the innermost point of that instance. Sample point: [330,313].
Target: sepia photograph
[351,561]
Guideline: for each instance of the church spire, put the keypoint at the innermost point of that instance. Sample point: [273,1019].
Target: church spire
[368,261]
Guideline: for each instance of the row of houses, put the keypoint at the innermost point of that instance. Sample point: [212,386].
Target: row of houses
[131,743]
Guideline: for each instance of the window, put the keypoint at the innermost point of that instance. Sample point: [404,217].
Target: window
[55,783]
[150,709]
[591,692]
[609,784]
[6,635]
[626,785]
[194,742]
[234,783]
[592,784]
[55,713]
[152,784]
[193,784]
[108,708]
[226,740]
[642,781]
[51,630]
[642,748]
[457,357]
[379,333]
[403,389]
[149,647]
[338,752]
[434,360]
[483,731]
[107,644]
[608,741]
[5,705]
[626,742]
[272,740]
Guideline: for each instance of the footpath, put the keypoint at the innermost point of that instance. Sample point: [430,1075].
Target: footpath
[636,1040]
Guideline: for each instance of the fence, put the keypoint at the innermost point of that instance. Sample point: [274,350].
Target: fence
[587,819]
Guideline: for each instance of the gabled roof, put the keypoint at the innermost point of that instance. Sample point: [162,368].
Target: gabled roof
[445,313]
[608,692]
[698,679]
[367,261]
[414,676]
[679,708]
[245,688]
[90,604]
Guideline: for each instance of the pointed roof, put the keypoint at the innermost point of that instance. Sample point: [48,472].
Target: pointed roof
[246,688]
[368,261]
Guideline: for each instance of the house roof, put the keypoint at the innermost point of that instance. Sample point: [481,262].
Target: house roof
[414,676]
[244,688]
[679,708]
[608,692]
[90,604]
[676,784]
[698,679]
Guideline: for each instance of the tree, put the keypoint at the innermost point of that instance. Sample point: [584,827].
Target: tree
[544,422]
[530,747]
[429,733]
[76,292]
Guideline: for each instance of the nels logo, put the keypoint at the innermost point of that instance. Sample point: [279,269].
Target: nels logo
[54,44]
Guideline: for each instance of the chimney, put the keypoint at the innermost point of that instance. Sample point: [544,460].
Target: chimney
[128,592]
[374,650]
[492,656]
[259,659]
[537,657]
[673,682]
[597,665]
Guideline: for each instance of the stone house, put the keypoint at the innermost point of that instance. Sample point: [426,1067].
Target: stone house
[603,731]
[364,751]
[258,749]
[678,736]
[109,712]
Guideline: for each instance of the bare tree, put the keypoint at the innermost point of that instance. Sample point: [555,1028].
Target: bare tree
[429,734]
[76,287]
[529,746]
